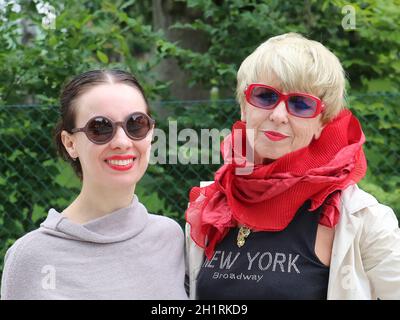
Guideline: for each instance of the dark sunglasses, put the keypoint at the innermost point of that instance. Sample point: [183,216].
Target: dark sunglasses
[297,104]
[101,130]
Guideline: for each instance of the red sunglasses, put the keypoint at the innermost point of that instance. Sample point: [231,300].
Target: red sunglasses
[297,104]
[101,130]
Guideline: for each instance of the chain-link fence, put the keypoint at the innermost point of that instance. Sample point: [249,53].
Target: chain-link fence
[33,179]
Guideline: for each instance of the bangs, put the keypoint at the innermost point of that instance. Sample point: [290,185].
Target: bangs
[290,67]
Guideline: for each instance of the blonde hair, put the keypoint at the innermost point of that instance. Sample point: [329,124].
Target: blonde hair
[299,64]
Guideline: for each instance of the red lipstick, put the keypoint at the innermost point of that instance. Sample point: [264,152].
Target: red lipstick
[275,136]
[120,162]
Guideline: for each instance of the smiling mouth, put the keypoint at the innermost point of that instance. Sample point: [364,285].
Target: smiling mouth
[120,165]
[120,162]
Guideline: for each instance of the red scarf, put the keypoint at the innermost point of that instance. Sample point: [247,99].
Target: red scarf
[269,197]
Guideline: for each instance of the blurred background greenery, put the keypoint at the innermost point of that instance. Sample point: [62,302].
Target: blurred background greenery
[186,53]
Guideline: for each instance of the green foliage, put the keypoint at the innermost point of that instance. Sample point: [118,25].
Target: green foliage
[174,181]
[35,62]
[378,114]
[28,168]
[236,28]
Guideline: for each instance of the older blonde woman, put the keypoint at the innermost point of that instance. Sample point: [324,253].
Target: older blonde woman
[296,226]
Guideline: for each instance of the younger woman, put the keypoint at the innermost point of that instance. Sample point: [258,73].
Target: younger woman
[104,245]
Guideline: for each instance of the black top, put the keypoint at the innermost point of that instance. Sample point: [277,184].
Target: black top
[270,265]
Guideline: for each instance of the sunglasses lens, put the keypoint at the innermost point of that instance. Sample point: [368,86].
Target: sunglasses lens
[138,125]
[100,130]
[263,97]
[301,106]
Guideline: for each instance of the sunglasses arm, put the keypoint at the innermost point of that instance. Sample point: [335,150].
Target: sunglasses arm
[78,130]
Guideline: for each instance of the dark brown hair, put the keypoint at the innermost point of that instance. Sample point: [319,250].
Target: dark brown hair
[73,90]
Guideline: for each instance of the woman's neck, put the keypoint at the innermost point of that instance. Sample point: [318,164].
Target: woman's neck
[93,203]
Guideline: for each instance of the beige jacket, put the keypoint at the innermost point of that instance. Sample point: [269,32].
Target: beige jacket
[365,261]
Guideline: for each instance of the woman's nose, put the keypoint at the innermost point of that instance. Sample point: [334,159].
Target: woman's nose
[120,139]
[279,114]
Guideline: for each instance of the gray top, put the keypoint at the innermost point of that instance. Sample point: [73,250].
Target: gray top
[127,254]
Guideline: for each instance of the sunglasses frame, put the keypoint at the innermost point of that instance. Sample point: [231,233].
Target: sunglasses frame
[285,98]
[115,124]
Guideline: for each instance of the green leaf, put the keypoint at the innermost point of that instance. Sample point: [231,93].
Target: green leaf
[102,56]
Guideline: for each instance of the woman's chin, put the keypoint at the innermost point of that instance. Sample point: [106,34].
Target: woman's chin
[267,157]
[118,183]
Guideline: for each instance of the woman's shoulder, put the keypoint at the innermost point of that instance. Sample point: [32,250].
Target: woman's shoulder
[354,200]
[165,224]
[28,246]
[22,262]
[363,205]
